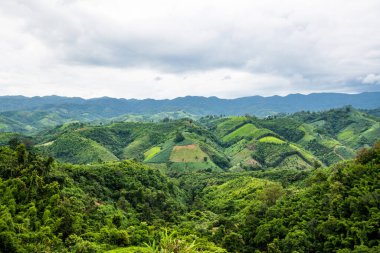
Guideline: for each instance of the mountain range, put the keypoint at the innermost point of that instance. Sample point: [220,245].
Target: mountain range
[254,105]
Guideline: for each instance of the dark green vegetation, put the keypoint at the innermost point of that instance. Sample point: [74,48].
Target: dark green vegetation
[218,184]
[128,207]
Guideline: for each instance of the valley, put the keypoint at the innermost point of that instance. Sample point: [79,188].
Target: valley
[236,143]
[211,183]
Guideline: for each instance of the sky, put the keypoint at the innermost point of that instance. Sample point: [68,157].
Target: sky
[170,48]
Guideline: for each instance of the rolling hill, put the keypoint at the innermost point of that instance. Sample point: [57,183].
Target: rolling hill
[302,141]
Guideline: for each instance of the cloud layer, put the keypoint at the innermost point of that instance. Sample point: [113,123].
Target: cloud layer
[165,49]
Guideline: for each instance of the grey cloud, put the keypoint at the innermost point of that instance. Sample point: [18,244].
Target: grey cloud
[319,44]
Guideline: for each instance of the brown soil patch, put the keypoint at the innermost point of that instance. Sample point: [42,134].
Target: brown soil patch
[251,162]
[192,146]
[97,203]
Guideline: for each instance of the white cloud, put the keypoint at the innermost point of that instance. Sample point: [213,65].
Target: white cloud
[119,48]
[371,79]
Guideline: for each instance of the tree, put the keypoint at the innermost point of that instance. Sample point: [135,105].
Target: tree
[179,137]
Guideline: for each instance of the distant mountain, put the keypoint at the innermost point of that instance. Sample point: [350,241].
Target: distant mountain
[106,107]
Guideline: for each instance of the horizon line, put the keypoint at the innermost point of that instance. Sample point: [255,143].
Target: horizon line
[194,96]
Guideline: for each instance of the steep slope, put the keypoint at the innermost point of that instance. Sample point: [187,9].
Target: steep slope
[335,209]
[335,134]
[76,149]
[251,146]
[152,143]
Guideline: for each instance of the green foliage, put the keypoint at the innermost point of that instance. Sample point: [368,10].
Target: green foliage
[229,125]
[114,137]
[170,244]
[45,206]
[265,190]
[77,149]
[179,137]
[271,155]
[338,209]
[246,130]
[121,206]
[286,127]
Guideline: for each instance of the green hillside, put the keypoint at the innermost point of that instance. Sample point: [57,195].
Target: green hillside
[304,140]
[264,194]
[75,149]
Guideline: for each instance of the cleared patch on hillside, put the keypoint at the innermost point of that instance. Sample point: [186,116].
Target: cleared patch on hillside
[188,153]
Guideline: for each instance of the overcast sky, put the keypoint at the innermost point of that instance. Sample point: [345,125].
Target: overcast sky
[171,48]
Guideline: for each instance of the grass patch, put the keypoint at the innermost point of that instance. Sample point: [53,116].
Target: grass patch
[271,139]
[164,155]
[245,131]
[229,125]
[151,153]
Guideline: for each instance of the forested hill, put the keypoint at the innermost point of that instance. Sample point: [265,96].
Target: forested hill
[126,207]
[304,182]
[256,105]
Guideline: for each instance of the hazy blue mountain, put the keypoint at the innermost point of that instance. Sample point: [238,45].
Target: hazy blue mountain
[106,107]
